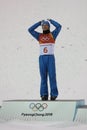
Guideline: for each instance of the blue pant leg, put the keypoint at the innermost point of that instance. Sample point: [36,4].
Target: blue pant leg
[52,76]
[43,74]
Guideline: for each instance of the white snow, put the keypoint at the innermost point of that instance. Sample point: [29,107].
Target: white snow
[19,51]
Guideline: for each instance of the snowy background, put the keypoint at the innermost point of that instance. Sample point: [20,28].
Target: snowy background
[19,51]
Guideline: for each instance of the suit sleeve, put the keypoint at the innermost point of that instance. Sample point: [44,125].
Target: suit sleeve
[57,28]
[32,31]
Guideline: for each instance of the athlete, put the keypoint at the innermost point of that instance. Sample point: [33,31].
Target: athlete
[47,67]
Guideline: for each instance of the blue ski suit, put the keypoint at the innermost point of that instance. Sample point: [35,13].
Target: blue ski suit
[46,58]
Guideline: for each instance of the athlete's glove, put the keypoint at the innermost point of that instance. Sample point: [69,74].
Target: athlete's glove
[48,19]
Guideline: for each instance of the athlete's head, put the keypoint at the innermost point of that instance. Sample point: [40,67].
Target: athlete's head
[45,25]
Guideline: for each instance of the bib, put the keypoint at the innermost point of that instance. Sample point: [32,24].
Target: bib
[46,42]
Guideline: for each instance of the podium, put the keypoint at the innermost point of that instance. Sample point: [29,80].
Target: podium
[37,110]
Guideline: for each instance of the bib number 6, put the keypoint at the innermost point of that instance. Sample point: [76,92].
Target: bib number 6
[45,50]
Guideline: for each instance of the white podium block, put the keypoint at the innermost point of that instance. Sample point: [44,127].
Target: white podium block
[35,110]
[81,115]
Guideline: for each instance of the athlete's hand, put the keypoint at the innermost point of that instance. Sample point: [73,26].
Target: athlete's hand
[48,19]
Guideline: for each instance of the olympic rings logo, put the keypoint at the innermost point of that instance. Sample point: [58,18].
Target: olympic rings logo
[38,106]
[45,38]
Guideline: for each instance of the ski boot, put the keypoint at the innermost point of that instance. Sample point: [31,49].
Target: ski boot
[44,98]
